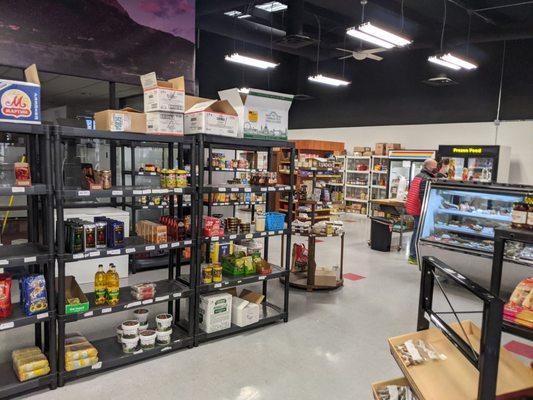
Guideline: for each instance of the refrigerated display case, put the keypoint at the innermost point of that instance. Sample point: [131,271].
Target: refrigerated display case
[405,164]
[458,223]
[477,163]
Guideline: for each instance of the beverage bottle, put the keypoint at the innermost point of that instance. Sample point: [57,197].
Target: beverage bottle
[100,286]
[113,285]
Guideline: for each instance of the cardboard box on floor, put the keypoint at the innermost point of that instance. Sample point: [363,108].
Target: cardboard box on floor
[21,101]
[216,117]
[325,277]
[243,312]
[126,120]
[166,96]
[262,114]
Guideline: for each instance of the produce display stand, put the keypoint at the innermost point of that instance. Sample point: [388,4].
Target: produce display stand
[395,210]
[171,291]
[501,237]
[36,256]
[306,280]
[475,367]
[269,312]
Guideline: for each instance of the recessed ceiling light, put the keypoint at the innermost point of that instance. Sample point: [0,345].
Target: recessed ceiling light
[272,6]
[251,61]
[233,13]
[319,78]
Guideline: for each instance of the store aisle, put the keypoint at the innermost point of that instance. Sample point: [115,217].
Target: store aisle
[333,347]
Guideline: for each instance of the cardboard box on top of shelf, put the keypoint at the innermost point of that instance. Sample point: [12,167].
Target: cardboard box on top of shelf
[166,96]
[216,117]
[125,120]
[262,114]
[367,153]
[252,297]
[359,149]
[164,123]
[21,101]
[243,312]
[380,149]
[392,146]
[325,277]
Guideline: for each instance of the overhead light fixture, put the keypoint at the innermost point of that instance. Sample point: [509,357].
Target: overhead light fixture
[272,6]
[385,35]
[319,78]
[369,38]
[244,90]
[233,13]
[251,61]
[453,62]
[243,16]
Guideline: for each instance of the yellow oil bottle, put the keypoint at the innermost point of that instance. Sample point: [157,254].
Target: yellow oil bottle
[112,285]
[100,286]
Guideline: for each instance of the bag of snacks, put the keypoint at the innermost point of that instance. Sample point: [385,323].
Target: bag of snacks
[33,294]
[29,363]
[519,309]
[5,295]
[80,363]
[24,376]
[143,291]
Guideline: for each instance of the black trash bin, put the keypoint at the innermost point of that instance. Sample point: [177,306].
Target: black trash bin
[380,234]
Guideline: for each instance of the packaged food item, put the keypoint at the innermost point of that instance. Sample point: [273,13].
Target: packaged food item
[5,295]
[29,363]
[24,352]
[101,234]
[163,322]
[112,286]
[75,338]
[89,236]
[104,178]
[519,215]
[148,338]
[181,178]
[77,347]
[163,337]
[151,232]
[129,343]
[143,291]
[24,376]
[207,274]
[130,327]
[33,294]
[219,250]
[217,273]
[80,363]
[141,315]
[100,286]
[89,177]
[22,174]
[519,309]
[260,222]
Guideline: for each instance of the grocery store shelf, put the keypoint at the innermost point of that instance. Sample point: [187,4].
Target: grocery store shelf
[518,330]
[155,207]
[165,291]
[494,217]
[209,239]
[268,314]
[18,318]
[335,184]
[36,189]
[11,386]
[17,255]
[379,172]
[351,171]
[67,132]
[378,187]
[485,232]
[132,245]
[356,200]
[237,280]
[251,170]
[122,191]
[110,354]
[357,186]
[244,189]
[234,203]
[318,235]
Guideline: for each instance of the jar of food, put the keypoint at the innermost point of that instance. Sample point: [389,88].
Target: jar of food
[519,215]
[163,337]
[129,343]
[207,275]
[105,179]
[171,179]
[217,273]
[260,222]
[163,321]
[148,339]
[130,328]
[163,178]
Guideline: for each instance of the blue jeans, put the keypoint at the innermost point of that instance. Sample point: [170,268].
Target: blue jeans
[412,247]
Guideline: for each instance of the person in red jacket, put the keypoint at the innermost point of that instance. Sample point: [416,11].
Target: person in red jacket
[413,205]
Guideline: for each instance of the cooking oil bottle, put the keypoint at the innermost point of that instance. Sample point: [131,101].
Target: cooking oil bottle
[112,285]
[100,286]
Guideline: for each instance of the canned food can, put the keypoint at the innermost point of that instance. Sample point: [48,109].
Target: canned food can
[217,273]
[207,274]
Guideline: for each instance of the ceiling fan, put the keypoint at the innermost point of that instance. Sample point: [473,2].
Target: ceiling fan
[361,55]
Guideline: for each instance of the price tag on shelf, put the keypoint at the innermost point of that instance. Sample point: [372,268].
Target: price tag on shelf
[130,250]
[18,189]
[88,314]
[148,301]
[214,238]
[77,256]
[138,351]
[239,282]
[117,193]
[280,232]
[217,285]
[146,191]
[84,193]
[174,244]
[233,236]
[113,252]
[166,349]
[163,246]
[106,310]
[7,325]
[271,189]
[162,298]
[264,189]
[263,233]
[234,189]
[149,248]
[94,254]
[262,278]
[247,190]
[178,190]
[134,304]
[98,365]
[176,295]
[249,236]
[159,191]
[30,259]
[221,189]
[136,192]
[43,315]
[145,207]
[187,242]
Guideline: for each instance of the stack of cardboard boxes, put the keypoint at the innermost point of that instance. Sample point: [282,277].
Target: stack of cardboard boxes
[382,149]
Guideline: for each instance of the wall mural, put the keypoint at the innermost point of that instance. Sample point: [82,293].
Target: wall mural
[115,40]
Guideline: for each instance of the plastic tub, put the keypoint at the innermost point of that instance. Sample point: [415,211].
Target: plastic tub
[141,315]
[143,327]
[148,339]
[119,333]
[163,321]
[163,337]
[130,327]
[129,343]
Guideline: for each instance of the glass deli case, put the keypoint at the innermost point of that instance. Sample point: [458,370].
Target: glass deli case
[405,164]
[458,220]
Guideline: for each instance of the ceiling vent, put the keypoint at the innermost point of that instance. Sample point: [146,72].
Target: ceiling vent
[295,38]
[439,81]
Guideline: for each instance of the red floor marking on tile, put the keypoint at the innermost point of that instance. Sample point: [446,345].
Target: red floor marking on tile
[353,277]
[522,349]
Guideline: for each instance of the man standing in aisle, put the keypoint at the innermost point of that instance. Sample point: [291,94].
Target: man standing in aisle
[413,205]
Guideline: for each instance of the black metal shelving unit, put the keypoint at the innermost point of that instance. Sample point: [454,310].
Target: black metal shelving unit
[172,290]
[270,313]
[36,256]
[501,237]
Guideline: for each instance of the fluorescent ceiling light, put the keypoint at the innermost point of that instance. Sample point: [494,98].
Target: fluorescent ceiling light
[458,61]
[233,13]
[272,6]
[328,81]
[243,16]
[446,64]
[244,90]
[383,34]
[369,38]
[253,62]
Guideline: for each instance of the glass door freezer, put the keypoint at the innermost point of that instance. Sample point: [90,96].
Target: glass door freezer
[405,164]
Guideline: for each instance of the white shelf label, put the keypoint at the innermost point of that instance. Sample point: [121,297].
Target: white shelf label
[138,351]
[88,314]
[248,190]
[113,252]
[106,310]
[130,250]
[148,301]
[94,254]
[233,236]
[176,295]
[263,233]
[145,207]
[77,256]
[134,304]
[217,285]
[18,189]
[221,189]
[30,259]
[280,232]
[271,189]
[98,365]
[4,262]
[149,248]
[264,189]
[162,298]
[163,246]
[214,238]
[174,244]
[239,281]
[137,192]
[249,236]
[146,191]
[152,173]
[166,349]
[156,191]
[43,315]
[187,242]
[84,193]
[234,189]
[7,325]
[117,193]
[178,190]
[262,278]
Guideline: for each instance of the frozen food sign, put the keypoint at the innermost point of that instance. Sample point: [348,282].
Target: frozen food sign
[467,150]
[19,102]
